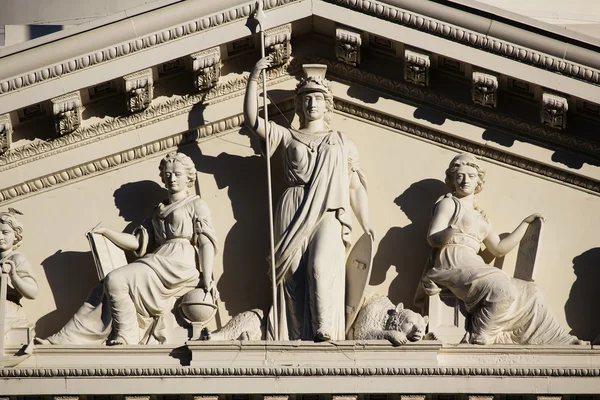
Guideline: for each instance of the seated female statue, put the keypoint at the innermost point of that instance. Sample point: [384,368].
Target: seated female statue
[142,294]
[502,309]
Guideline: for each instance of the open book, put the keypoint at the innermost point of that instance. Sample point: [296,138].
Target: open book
[107,256]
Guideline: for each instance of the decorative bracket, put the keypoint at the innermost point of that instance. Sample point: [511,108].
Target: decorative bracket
[485,89]
[67,112]
[206,65]
[5,133]
[347,46]
[554,111]
[139,90]
[278,45]
[416,68]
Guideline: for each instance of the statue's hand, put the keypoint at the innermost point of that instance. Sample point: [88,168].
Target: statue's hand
[261,65]
[100,230]
[533,217]
[8,266]
[369,231]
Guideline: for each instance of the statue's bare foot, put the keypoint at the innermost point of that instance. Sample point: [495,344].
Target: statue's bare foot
[115,342]
[581,342]
[322,337]
[478,339]
[37,340]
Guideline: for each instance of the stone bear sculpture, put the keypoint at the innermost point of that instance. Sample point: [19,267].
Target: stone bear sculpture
[378,318]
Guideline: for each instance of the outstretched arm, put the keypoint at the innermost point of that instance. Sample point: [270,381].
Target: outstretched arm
[125,241]
[499,247]
[253,121]
[360,203]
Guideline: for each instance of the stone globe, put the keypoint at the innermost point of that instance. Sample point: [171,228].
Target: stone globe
[198,306]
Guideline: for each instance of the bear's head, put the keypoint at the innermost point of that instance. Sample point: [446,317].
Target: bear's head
[410,323]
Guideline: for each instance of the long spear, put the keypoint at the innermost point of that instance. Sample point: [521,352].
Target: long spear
[260,18]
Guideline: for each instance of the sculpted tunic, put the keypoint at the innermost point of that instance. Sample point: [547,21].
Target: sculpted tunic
[503,309]
[15,317]
[141,294]
[317,169]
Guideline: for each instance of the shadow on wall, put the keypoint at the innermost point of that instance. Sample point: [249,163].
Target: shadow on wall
[135,202]
[244,283]
[581,309]
[406,248]
[78,267]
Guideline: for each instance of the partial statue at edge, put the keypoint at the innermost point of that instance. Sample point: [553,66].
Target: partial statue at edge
[140,296]
[502,309]
[312,219]
[14,266]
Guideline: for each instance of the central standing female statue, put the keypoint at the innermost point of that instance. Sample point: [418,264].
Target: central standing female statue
[312,221]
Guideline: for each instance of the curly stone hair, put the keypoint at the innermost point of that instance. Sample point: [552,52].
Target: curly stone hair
[321,85]
[183,160]
[462,160]
[10,218]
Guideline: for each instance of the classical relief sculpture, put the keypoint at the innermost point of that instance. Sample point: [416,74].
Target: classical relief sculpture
[21,281]
[378,318]
[312,219]
[502,309]
[142,294]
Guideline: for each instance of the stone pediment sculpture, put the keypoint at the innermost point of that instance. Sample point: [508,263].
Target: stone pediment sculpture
[140,296]
[501,309]
[378,319]
[17,281]
[312,221]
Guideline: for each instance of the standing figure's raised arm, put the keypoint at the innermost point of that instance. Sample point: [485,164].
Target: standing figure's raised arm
[253,121]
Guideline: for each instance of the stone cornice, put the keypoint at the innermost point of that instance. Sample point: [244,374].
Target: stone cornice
[279,371]
[115,126]
[118,160]
[107,54]
[482,115]
[472,38]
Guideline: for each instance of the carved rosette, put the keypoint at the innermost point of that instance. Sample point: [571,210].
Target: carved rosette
[554,111]
[67,112]
[347,46]
[485,89]
[278,45]
[139,90]
[5,133]
[207,68]
[416,68]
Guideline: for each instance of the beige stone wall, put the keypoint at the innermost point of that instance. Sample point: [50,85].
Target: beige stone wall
[405,178]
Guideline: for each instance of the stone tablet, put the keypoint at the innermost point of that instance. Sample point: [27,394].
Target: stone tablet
[358,273]
[528,251]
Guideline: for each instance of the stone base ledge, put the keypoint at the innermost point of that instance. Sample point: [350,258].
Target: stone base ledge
[343,367]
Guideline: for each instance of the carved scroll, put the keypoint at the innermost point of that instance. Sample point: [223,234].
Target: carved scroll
[347,46]
[5,133]
[139,90]
[207,68]
[554,111]
[485,89]
[416,68]
[67,112]
[277,44]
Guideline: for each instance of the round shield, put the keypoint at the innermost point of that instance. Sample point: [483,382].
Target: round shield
[358,273]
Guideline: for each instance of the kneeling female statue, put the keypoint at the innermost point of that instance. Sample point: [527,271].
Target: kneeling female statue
[142,294]
[312,219]
[502,309]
